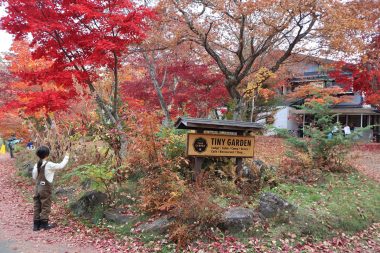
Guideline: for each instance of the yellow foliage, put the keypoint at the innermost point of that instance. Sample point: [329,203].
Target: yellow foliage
[255,85]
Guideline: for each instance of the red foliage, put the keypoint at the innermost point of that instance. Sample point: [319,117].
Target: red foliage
[24,93]
[44,101]
[79,38]
[189,88]
[365,75]
[315,94]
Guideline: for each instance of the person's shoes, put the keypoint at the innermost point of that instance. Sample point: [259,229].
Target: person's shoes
[45,225]
[36,225]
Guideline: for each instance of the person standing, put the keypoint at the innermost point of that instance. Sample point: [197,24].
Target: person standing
[11,143]
[43,173]
[347,130]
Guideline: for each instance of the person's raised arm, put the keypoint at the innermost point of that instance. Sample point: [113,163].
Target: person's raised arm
[61,165]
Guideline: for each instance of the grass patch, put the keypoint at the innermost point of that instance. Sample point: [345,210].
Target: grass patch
[344,203]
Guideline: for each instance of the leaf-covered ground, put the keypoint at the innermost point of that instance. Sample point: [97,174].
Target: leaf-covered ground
[366,159]
[270,149]
[16,217]
[16,234]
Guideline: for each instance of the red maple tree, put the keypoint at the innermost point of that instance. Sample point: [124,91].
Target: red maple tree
[82,38]
[24,93]
[189,88]
[364,76]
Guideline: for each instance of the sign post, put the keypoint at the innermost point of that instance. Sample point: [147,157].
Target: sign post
[238,144]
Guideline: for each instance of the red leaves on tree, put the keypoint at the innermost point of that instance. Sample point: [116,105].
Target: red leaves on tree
[26,93]
[189,88]
[44,102]
[365,75]
[81,38]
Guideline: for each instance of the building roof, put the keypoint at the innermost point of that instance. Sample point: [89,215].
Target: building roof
[216,125]
[348,111]
[353,100]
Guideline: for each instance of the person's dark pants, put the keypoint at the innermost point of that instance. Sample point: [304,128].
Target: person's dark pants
[42,202]
[11,151]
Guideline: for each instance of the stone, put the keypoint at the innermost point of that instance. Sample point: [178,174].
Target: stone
[86,205]
[159,226]
[261,166]
[86,184]
[259,170]
[271,205]
[237,218]
[64,191]
[248,173]
[117,217]
[28,169]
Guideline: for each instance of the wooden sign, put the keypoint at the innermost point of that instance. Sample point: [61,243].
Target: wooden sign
[201,145]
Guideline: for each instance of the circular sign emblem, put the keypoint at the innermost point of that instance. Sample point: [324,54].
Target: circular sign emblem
[200,145]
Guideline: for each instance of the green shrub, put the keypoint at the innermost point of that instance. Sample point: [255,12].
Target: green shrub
[102,177]
[18,148]
[324,147]
[175,145]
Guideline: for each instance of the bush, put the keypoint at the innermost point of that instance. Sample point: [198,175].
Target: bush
[194,214]
[324,146]
[175,142]
[145,149]
[101,176]
[58,143]
[160,190]
[296,168]
[18,148]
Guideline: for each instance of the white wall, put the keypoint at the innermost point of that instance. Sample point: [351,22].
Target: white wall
[285,119]
[281,118]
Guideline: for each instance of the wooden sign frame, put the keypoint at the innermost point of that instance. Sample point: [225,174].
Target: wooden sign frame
[220,145]
[241,128]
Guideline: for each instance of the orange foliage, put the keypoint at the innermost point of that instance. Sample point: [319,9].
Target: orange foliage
[22,61]
[29,94]
[313,93]
[12,124]
[161,190]
[266,93]
[144,143]
[194,213]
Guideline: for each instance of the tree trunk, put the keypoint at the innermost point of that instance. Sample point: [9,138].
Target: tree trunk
[158,87]
[253,104]
[115,87]
[237,97]
[120,150]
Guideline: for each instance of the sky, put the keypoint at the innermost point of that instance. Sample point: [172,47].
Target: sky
[5,38]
